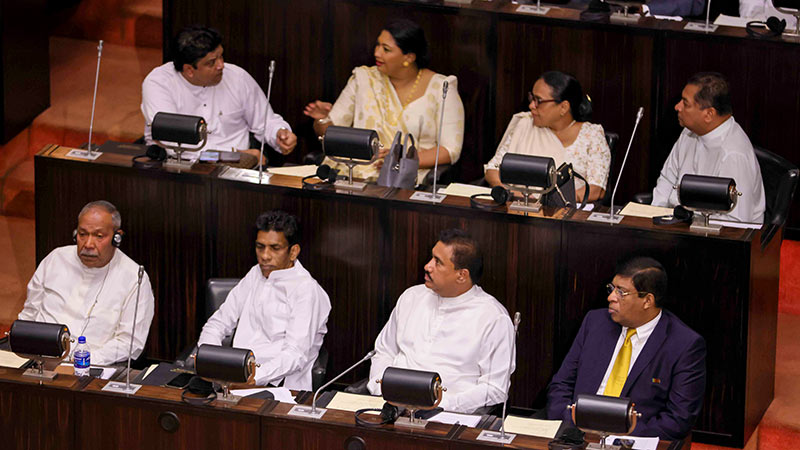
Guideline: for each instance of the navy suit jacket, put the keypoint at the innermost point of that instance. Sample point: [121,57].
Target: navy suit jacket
[667,381]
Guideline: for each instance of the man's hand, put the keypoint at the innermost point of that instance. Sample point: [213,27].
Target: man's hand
[286,141]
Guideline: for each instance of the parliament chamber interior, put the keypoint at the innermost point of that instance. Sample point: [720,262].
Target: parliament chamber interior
[73,74]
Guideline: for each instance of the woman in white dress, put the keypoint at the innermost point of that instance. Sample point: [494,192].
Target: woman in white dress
[556,126]
[398,93]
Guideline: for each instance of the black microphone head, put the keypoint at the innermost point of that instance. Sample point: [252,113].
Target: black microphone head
[323,171]
[500,195]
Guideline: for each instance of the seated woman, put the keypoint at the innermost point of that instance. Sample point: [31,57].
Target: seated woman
[556,127]
[399,93]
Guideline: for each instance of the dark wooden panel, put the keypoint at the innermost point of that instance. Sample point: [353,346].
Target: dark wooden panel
[340,248]
[615,68]
[165,219]
[35,417]
[707,292]
[106,421]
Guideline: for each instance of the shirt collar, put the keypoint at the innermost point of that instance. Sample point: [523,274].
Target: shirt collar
[193,89]
[643,332]
[714,138]
[285,274]
[446,302]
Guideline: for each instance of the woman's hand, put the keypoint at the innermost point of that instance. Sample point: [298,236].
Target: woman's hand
[317,110]
[382,152]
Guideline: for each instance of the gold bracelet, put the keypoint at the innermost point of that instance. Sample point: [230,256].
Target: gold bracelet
[324,120]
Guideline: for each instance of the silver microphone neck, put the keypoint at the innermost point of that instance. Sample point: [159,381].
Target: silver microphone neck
[322,388]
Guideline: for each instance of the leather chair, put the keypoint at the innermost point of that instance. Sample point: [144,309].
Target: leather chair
[780,182]
[217,290]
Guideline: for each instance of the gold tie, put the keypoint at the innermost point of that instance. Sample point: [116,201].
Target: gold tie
[619,373]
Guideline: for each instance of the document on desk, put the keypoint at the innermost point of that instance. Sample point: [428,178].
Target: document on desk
[280,394]
[739,22]
[239,174]
[10,359]
[456,418]
[294,171]
[639,443]
[353,402]
[532,427]
[647,211]
[107,373]
[464,190]
[732,224]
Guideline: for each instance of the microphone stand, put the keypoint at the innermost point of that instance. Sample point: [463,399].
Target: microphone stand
[89,153]
[705,27]
[502,437]
[266,118]
[305,411]
[611,217]
[127,388]
[433,197]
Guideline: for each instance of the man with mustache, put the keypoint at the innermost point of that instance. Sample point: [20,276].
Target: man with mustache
[277,310]
[636,349]
[91,287]
[712,143]
[198,82]
[451,326]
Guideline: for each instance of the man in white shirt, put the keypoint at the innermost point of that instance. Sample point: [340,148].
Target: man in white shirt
[636,349]
[277,310]
[713,144]
[92,288]
[450,326]
[761,10]
[233,105]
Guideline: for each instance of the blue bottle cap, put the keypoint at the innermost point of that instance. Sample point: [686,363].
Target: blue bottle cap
[82,340]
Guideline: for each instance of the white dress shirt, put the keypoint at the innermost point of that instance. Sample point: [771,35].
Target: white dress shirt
[723,152]
[94,302]
[638,340]
[282,319]
[467,340]
[761,10]
[232,108]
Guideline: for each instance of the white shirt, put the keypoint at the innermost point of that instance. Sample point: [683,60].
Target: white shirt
[232,108]
[638,340]
[97,303]
[467,340]
[282,319]
[723,152]
[761,10]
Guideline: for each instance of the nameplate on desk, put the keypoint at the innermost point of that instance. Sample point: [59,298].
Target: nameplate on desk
[83,154]
[247,175]
[701,26]
[533,9]
[428,197]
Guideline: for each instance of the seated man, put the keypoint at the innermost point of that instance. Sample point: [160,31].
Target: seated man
[638,350]
[713,144]
[233,105]
[278,310]
[451,326]
[91,288]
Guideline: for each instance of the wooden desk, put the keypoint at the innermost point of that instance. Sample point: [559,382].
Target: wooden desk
[71,413]
[366,248]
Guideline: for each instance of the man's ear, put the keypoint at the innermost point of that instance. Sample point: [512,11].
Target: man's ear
[649,301]
[709,114]
[463,276]
[188,71]
[294,252]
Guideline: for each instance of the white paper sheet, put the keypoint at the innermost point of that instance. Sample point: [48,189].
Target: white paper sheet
[294,171]
[731,224]
[9,359]
[640,443]
[464,190]
[532,427]
[353,402]
[739,22]
[455,418]
[646,211]
[281,394]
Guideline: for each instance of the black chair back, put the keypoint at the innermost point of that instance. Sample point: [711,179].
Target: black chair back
[780,181]
[217,291]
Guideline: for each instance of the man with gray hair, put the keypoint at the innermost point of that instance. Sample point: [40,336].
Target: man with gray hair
[91,288]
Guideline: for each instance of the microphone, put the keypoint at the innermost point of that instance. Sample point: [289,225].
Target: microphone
[299,410]
[445,85]
[610,217]
[266,117]
[127,388]
[502,437]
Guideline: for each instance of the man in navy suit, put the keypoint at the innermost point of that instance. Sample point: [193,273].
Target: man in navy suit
[664,359]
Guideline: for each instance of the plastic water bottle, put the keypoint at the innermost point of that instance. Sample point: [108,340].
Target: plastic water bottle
[82,358]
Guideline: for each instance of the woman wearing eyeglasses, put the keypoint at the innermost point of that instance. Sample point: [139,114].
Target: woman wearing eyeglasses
[398,93]
[556,126]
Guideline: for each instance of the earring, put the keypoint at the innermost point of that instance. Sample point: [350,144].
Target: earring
[405,63]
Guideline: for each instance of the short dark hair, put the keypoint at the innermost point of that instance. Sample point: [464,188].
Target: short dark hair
[192,44]
[410,37]
[566,87]
[648,276]
[714,92]
[466,252]
[280,221]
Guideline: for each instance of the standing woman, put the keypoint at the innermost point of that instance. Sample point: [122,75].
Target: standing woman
[557,126]
[398,93]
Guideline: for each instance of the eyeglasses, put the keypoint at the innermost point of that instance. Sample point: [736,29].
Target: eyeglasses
[622,293]
[538,101]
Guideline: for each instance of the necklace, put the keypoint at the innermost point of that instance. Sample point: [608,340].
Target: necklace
[413,89]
